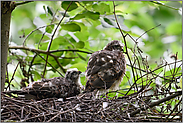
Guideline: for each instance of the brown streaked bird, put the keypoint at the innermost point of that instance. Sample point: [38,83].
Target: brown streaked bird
[106,68]
[55,87]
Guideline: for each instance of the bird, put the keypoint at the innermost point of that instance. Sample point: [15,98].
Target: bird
[57,87]
[106,68]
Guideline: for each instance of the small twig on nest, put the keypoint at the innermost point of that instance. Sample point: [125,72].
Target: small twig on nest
[62,112]
[178,93]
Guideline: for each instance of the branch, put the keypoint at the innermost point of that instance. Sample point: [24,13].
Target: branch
[125,47]
[53,66]
[162,4]
[21,3]
[69,110]
[37,51]
[147,31]
[34,31]
[49,45]
[70,50]
[178,93]
[44,52]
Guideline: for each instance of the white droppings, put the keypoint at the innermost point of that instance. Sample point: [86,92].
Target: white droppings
[111,61]
[78,108]
[105,104]
[60,99]
[102,59]
[109,57]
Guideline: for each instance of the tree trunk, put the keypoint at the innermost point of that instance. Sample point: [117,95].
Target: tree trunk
[6,10]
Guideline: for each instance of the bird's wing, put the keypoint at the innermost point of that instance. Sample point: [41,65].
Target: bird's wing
[104,68]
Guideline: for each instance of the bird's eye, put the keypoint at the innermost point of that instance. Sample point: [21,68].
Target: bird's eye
[74,73]
[118,47]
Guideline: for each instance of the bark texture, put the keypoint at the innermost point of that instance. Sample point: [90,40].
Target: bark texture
[6,10]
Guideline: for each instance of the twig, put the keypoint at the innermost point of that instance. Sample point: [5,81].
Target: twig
[174,108]
[30,65]
[159,3]
[70,50]
[44,52]
[34,31]
[125,47]
[63,113]
[13,75]
[49,45]
[51,65]
[178,93]
[147,31]
[21,3]
[37,51]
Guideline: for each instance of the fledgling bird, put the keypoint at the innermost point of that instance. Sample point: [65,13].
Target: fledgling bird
[106,68]
[55,87]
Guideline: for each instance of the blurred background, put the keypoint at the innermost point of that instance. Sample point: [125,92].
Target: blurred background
[89,26]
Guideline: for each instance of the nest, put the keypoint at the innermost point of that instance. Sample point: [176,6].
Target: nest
[85,107]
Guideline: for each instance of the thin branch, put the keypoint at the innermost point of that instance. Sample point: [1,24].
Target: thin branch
[34,31]
[30,65]
[14,72]
[31,49]
[178,93]
[71,50]
[69,110]
[174,109]
[125,47]
[21,3]
[52,66]
[44,52]
[162,4]
[147,31]
[49,45]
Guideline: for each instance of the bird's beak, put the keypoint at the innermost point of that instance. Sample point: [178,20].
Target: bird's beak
[79,72]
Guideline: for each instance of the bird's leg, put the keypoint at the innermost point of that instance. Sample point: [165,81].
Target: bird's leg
[97,94]
[106,95]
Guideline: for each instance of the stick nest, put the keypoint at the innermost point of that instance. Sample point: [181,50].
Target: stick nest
[86,108]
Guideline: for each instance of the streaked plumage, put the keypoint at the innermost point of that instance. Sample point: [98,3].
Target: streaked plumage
[55,87]
[106,68]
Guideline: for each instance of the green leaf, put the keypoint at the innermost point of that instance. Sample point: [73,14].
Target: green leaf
[55,45]
[66,61]
[108,21]
[80,44]
[92,15]
[78,16]
[174,28]
[44,45]
[49,29]
[102,8]
[79,66]
[37,76]
[61,40]
[81,57]
[44,8]
[50,10]
[72,27]
[87,2]
[83,35]
[65,4]
[88,14]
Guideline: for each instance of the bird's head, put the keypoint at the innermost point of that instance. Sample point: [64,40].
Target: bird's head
[114,46]
[72,74]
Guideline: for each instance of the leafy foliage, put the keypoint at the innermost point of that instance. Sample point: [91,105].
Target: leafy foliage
[87,27]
